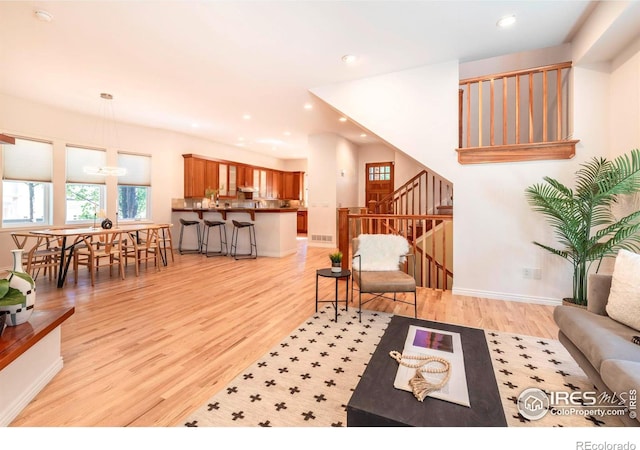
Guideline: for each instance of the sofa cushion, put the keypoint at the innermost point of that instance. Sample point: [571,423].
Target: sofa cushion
[624,298]
[597,337]
[621,376]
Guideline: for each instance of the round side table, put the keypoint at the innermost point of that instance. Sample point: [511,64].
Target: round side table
[327,273]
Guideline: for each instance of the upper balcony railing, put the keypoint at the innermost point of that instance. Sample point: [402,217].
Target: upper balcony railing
[515,116]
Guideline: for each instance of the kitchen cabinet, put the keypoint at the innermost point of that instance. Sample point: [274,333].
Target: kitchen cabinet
[302,221]
[244,176]
[211,175]
[228,177]
[194,177]
[292,185]
[276,185]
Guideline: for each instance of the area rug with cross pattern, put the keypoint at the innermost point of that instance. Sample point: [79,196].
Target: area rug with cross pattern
[307,379]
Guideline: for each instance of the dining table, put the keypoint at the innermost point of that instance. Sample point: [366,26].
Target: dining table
[70,237]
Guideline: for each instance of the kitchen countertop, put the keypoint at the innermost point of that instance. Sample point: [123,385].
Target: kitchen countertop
[224,210]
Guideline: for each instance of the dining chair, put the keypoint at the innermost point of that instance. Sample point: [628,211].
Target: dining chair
[40,253]
[143,246]
[166,240]
[95,251]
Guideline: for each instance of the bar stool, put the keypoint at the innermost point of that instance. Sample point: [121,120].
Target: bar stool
[237,226]
[187,223]
[223,238]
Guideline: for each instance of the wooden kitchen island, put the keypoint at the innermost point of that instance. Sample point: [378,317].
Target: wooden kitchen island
[276,228]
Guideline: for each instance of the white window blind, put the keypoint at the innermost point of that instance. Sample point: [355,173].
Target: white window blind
[138,170]
[78,158]
[28,161]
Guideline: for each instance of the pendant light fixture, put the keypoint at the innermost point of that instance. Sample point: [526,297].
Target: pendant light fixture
[108,130]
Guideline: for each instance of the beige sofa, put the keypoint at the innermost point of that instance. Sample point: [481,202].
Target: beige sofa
[601,346]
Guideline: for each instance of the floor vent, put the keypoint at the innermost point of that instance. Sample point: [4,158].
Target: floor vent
[321,238]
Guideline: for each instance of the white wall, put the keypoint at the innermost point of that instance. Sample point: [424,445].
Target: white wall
[625,101]
[37,121]
[321,207]
[347,173]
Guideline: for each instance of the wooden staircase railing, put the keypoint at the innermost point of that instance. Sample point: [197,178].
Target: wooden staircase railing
[528,116]
[422,194]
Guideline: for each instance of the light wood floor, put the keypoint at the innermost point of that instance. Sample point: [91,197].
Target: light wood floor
[148,351]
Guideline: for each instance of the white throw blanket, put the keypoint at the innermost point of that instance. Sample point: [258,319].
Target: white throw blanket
[380,252]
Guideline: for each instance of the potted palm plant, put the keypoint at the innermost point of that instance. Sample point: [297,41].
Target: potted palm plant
[336,261]
[584,224]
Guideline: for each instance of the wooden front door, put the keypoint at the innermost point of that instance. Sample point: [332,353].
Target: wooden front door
[379,181]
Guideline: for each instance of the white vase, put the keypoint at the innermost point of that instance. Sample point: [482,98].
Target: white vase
[23,282]
[336,268]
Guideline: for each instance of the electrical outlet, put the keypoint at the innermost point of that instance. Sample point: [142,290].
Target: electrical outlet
[536,274]
[531,274]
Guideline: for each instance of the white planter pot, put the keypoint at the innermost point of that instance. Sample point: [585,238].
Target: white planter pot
[19,314]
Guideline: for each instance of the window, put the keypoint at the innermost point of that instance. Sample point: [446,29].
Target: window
[382,173]
[85,191]
[134,187]
[26,183]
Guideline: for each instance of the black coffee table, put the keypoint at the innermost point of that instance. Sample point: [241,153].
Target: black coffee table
[375,402]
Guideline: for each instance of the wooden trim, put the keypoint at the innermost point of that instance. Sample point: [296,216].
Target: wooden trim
[515,73]
[518,152]
[18,339]
[5,139]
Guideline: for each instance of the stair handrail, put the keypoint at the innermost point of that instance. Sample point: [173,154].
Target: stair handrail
[376,207]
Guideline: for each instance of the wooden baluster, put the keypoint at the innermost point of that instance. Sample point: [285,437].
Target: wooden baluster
[517,109]
[545,94]
[559,103]
[492,113]
[530,108]
[468,114]
[444,255]
[480,114]
[504,110]
[460,116]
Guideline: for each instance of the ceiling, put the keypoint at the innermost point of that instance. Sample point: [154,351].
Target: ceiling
[197,67]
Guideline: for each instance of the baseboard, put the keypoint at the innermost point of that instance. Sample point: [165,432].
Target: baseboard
[12,411]
[507,297]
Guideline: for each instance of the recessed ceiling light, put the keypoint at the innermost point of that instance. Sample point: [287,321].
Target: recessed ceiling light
[194,125]
[342,119]
[246,116]
[308,106]
[363,135]
[506,21]
[241,138]
[349,59]
[287,133]
[43,15]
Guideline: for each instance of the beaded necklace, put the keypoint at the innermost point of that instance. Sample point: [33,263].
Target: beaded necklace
[419,385]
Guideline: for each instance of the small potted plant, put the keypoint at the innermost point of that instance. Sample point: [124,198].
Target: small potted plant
[336,261]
